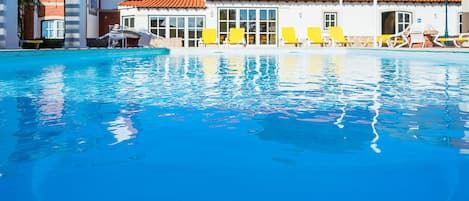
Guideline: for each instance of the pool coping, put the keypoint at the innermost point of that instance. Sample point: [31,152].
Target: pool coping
[257,50]
[268,50]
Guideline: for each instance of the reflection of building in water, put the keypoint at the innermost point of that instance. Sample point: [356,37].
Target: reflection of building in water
[51,100]
[210,78]
[362,86]
[300,72]
[123,127]
[313,135]
[132,80]
[40,115]
[289,73]
[463,143]
[28,130]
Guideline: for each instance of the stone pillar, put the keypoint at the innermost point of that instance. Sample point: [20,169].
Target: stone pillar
[75,24]
[9,24]
[465,16]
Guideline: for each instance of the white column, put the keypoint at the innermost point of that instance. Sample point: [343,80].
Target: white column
[465,16]
[36,33]
[75,24]
[9,24]
[375,19]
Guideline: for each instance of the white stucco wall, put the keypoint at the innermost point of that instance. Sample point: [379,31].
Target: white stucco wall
[356,19]
[92,26]
[465,5]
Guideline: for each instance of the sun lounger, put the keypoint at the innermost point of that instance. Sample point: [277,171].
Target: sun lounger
[458,41]
[36,42]
[209,37]
[315,36]
[236,37]
[399,40]
[289,36]
[336,34]
[380,40]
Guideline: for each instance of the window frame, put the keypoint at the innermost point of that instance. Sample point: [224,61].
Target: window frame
[326,23]
[180,31]
[53,29]
[405,24]
[253,36]
[131,21]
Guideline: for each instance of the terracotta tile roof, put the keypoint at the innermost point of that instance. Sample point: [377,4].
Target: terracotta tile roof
[201,3]
[422,1]
[405,1]
[164,3]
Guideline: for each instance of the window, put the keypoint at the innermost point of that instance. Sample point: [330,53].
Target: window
[247,20]
[460,22]
[195,26]
[330,20]
[53,29]
[390,24]
[227,20]
[158,26]
[189,28]
[176,27]
[268,26]
[128,22]
[403,21]
[260,24]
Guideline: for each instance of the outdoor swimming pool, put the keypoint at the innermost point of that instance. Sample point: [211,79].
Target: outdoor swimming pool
[320,124]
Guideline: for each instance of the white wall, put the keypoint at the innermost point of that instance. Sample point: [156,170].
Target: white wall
[109,4]
[92,22]
[142,15]
[356,19]
[465,5]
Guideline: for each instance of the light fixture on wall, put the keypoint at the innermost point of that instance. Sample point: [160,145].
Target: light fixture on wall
[300,15]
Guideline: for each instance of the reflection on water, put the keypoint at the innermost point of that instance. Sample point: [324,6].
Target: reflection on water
[326,102]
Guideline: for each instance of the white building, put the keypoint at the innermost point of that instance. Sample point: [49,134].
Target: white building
[263,19]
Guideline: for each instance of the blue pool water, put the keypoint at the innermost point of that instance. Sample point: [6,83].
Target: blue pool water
[313,125]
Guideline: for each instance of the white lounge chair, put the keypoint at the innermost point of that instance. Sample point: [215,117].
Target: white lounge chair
[398,40]
[461,41]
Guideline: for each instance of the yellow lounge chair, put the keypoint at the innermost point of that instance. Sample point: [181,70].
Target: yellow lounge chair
[336,35]
[236,37]
[315,36]
[289,36]
[464,37]
[209,37]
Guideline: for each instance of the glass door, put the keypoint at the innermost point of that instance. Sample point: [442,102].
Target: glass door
[260,24]
[195,26]
[268,26]
[227,20]
[176,27]
[247,20]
